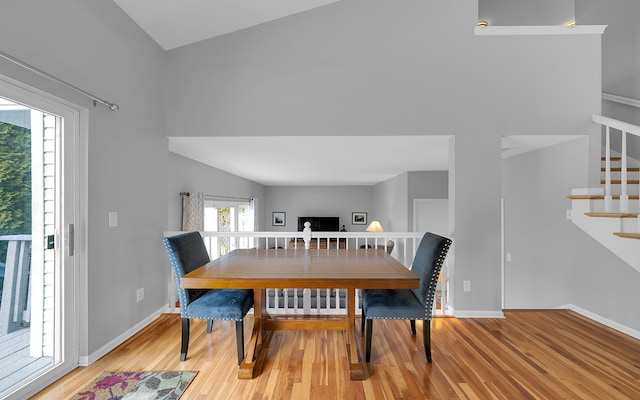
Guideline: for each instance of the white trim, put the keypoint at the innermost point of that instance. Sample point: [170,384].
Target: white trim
[539,30]
[616,124]
[598,318]
[503,254]
[622,100]
[478,314]
[96,355]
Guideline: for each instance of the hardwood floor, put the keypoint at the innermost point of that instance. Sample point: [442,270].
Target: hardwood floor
[551,354]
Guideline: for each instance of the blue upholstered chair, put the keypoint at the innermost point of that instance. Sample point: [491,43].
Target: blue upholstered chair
[411,304]
[188,252]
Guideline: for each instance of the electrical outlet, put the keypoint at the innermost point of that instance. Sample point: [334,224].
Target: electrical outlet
[466,285]
[508,256]
[140,294]
[569,214]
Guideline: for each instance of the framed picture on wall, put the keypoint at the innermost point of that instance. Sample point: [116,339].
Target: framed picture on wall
[358,218]
[279,218]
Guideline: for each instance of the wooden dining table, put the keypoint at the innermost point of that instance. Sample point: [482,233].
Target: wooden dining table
[262,269]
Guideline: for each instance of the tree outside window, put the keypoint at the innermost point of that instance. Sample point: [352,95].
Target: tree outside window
[227,217]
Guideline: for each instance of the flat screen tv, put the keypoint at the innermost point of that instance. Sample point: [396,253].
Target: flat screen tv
[320,224]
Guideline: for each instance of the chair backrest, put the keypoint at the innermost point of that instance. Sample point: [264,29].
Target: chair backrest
[390,245]
[186,253]
[427,265]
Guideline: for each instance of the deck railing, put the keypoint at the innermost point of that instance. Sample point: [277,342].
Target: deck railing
[401,245]
[15,302]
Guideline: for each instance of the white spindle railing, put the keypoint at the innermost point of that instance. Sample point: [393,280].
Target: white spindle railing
[608,197]
[16,301]
[325,301]
[625,129]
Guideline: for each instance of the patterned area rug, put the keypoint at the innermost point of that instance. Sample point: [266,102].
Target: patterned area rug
[157,385]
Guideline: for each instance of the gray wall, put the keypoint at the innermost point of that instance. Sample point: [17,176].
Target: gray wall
[94,46]
[553,262]
[541,273]
[526,12]
[620,58]
[186,175]
[386,70]
[318,201]
[391,203]
[620,54]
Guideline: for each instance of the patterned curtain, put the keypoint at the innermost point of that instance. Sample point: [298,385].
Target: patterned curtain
[193,212]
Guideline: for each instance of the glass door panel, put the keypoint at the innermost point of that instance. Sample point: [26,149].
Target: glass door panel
[36,204]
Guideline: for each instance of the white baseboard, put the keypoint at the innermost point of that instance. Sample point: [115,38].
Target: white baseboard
[86,361]
[604,321]
[478,314]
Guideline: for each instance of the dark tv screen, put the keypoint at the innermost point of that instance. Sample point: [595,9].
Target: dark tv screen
[320,224]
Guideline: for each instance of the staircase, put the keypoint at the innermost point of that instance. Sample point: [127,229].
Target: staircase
[610,213]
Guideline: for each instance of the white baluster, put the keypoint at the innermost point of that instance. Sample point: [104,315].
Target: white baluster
[624,197]
[608,199]
[306,300]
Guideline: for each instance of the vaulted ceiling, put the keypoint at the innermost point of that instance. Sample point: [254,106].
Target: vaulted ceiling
[177,23]
[339,160]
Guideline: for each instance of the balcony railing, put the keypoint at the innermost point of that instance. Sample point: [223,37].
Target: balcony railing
[401,245]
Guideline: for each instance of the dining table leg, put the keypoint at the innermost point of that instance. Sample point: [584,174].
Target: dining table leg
[357,369]
[256,349]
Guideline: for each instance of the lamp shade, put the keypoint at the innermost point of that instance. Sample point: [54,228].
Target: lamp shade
[375,227]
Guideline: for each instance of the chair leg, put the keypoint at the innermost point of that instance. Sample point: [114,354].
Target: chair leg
[364,318]
[240,340]
[185,339]
[426,335]
[209,325]
[413,326]
[369,329]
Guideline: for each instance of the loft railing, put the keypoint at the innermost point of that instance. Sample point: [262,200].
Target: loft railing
[401,245]
[624,129]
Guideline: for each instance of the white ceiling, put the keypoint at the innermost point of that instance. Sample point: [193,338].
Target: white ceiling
[326,160]
[174,23]
[317,160]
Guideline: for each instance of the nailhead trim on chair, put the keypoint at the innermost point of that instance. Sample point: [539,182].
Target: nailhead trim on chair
[430,294]
[182,293]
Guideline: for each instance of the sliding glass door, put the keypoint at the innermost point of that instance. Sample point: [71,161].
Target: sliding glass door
[38,203]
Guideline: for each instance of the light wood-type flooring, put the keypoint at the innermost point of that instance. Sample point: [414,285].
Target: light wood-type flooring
[549,354]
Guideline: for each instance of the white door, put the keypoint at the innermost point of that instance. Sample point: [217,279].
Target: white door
[38,307]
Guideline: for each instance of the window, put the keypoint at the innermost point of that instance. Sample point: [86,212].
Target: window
[226,216]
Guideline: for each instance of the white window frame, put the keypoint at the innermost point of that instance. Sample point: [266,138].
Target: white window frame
[234,242]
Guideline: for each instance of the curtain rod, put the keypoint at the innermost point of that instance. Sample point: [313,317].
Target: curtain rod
[109,105]
[217,197]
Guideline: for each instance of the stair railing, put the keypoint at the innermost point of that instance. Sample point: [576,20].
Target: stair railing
[625,129]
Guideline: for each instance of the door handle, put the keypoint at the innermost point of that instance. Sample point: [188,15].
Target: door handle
[51,242]
[71,239]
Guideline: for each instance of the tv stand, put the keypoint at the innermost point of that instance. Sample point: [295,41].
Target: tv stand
[321,243]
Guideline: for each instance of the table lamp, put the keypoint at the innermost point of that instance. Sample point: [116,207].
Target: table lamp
[375,227]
